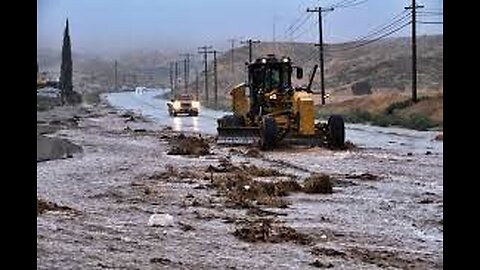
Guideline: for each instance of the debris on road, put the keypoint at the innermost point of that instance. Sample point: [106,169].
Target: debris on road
[363,176]
[269,231]
[44,206]
[348,145]
[322,251]
[243,191]
[320,264]
[160,260]
[318,183]
[132,117]
[253,152]
[189,145]
[186,227]
[49,148]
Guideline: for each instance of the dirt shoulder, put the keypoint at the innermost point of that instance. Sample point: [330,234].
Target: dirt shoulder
[390,109]
[222,208]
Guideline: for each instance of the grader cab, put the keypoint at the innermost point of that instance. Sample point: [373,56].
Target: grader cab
[267,110]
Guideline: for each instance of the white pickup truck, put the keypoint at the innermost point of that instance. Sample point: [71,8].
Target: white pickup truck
[183,104]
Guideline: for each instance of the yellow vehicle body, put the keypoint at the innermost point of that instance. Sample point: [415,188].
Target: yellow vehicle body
[269,110]
[303,106]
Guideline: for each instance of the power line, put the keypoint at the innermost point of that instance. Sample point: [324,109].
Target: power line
[395,21]
[310,57]
[343,2]
[302,23]
[290,27]
[381,31]
[351,3]
[302,16]
[372,40]
[431,12]
[314,24]
[421,22]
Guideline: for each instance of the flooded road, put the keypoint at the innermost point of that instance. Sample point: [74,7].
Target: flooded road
[365,136]
[149,105]
[393,220]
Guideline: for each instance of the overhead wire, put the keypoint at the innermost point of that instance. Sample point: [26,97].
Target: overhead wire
[354,46]
[351,3]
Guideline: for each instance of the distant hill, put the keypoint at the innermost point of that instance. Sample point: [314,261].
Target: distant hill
[386,64]
[135,68]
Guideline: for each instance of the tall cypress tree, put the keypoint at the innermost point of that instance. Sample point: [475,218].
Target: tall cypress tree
[66,85]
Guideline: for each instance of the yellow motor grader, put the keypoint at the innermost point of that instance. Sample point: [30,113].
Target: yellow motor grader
[268,111]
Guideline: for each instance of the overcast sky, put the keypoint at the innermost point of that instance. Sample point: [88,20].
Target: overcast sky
[111,26]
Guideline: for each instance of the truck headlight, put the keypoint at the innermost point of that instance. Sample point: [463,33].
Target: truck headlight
[176,105]
[195,104]
[273,96]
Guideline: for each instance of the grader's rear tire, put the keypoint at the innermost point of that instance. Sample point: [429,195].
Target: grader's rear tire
[269,132]
[336,132]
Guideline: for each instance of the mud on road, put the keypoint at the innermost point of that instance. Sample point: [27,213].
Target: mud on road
[233,208]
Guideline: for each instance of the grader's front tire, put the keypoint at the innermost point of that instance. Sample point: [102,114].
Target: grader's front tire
[336,132]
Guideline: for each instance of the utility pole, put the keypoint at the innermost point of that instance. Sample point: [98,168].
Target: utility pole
[414,48]
[250,42]
[204,51]
[319,10]
[215,87]
[116,81]
[176,78]
[186,68]
[185,80]
[232,40]
[274,33]
[196,83]
[171,78]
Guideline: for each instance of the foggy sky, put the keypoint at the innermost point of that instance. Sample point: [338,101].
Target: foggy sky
[115,26]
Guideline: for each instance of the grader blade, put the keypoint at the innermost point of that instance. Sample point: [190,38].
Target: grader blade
[238,135]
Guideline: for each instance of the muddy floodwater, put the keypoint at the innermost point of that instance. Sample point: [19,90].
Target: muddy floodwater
[385,210]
